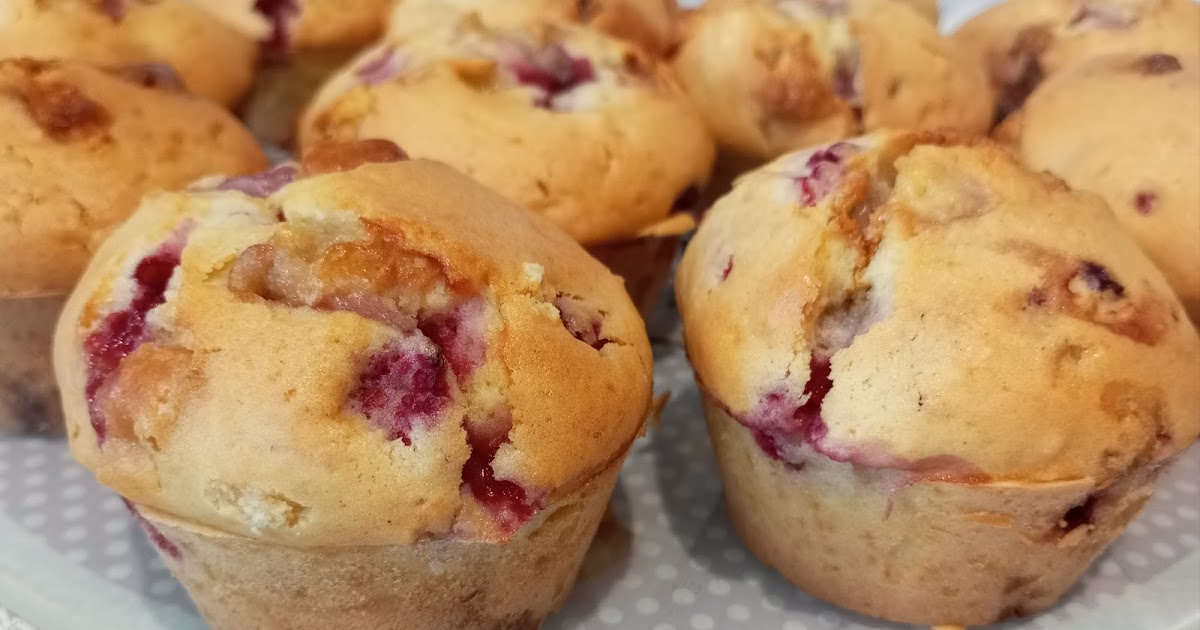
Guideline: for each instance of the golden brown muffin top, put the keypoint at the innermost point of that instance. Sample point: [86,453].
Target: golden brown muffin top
[215,60]
[926,305]
[355,350]
[1127,127]
[79,147]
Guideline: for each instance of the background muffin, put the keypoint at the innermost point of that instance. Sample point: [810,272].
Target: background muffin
[650,24]
[78,148]
[485,391]
[937,384]
[1021,42]
[775,76]
[215,60]
[1138,146]
[303,42]
[585,129]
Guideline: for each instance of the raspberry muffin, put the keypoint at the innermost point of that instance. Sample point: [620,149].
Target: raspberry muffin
[938,384]
[1021,42]
[78,148]
[214,59]
[650,24]
[339,400]
[583,128]
[775,75]
[927,8]
[1138,147]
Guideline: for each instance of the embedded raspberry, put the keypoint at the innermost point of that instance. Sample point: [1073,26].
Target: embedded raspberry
[264,184]
[460,335]
[120,333]
[583,322]
[381,67]
[279,13]
[1097,278]
[1145,201]
[553,71]
[507,501]
[727,269]
[810,423]
[405,386]
[156,536]
[114,9]
[825,168]
[1103,16]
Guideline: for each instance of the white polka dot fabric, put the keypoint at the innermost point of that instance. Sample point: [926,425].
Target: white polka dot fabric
[681,566]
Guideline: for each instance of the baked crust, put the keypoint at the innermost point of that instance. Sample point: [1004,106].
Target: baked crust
[1022,42]
[1138,147]
[930,278]
[351,359]
[582,128]
[215,60]
[78,149]
[773,76]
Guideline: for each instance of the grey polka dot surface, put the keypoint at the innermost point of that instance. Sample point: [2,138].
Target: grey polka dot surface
[684,568]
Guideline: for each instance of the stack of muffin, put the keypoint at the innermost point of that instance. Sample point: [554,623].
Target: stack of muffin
[391,383]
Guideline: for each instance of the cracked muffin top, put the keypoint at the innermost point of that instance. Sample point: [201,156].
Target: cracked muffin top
[586,129]
[914,303]
[776,75]
[282,26]
[214,59]
[1021,42]
[650,24]
[1138,146]
[78,149]
[343,352]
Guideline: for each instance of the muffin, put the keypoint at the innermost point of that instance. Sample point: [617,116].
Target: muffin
[1138,146]
[770,77]
[650,24]
[303,42]
[355,393]
[937,384]
[215,60]
[78,148]
[927,8]
[1021,42]
[583,128]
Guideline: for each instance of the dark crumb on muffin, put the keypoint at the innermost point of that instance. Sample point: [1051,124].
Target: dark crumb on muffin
[1159,64]
[1082,515]
[1145,201]
[158,76]
[1020,69]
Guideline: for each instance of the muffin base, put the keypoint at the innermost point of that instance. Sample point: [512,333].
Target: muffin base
[920,552]
[244,584]
[644,264]
[29,401]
